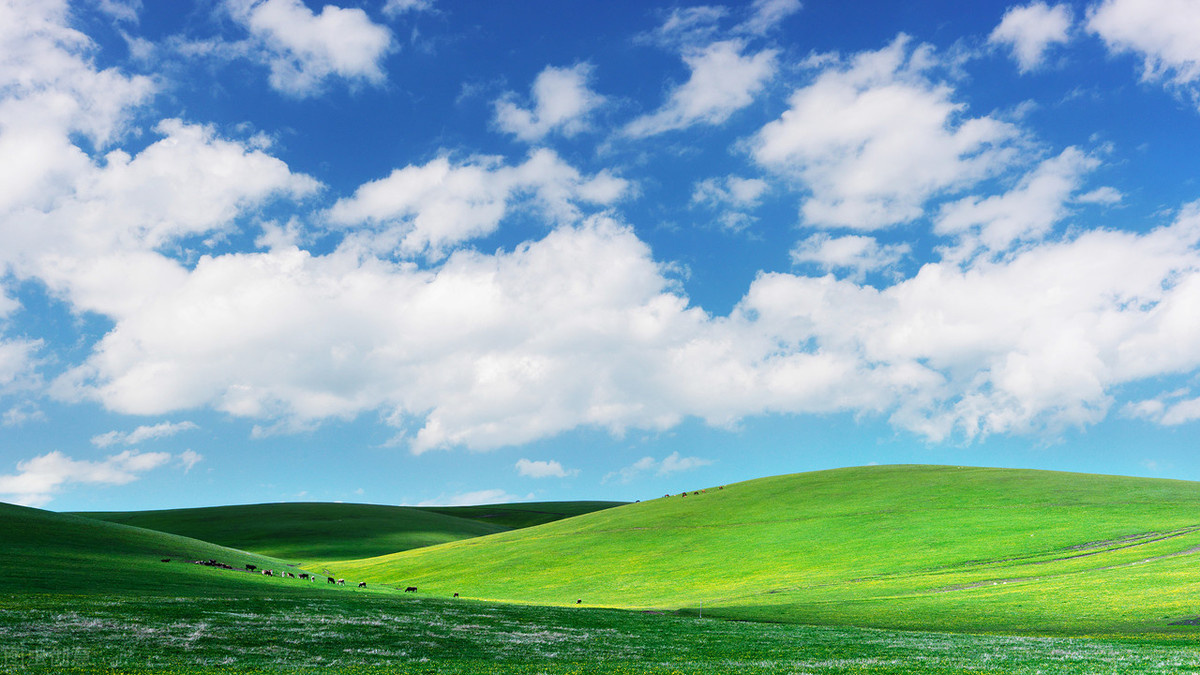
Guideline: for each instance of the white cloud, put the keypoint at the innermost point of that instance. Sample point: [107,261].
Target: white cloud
[18,364]
[1162,32]
[872,140]
[427,209]
[1030,30]
[142,433]
[190,458]
[732,196]
[395,8]
[722,82]
[562,102]
[304,49]
[21,413]
[93,238]
[479,497]
[731,191]
[1025,213]
[766,15]
[688,26]
[673,463]
[544,469]
[40,478]
[854,253]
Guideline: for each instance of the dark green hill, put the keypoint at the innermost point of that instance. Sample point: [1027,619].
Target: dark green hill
[314,532]
[939,548]
[46,552]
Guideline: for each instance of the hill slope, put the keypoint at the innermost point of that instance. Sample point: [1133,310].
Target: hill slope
[46,552]
[314,532]
[897,546]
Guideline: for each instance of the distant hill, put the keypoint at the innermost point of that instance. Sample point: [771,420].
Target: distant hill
[896,546]
[46,552]
[314,532]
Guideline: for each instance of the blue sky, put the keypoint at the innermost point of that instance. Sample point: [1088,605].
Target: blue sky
[414,251]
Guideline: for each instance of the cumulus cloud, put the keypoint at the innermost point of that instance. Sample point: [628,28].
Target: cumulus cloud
[142,433]
[427,209]
[854,254]
[304,49]
[37,480]
[872,140]
[18,364]
[1025,213]
[673,463]
[562,102]
[732,196]
[1029,32]
[544,469]
[1161,32]
[723,81]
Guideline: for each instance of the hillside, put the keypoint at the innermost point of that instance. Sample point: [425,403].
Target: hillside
[45,552]
[314,532]
[897,546]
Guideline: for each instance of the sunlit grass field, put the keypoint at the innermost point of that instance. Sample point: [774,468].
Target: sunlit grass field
[984,550]
[874,570]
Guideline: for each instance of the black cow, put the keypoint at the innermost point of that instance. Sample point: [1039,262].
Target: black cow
[362,584]
[331,580]
[456,595]
[166,560]
[251,567]
[411,589]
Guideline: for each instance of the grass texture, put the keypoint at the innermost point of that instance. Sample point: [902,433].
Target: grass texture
[910,547]
[314,532]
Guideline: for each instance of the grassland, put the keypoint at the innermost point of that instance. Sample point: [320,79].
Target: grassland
[998,568]
[313,532]
[359,634]
[910,547]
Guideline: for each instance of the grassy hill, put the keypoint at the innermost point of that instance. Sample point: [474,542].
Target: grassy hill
[45,552]
[899,546]
[314,532]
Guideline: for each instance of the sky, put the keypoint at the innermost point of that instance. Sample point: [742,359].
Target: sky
[430,252]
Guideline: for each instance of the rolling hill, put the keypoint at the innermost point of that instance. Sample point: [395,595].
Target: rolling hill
[943,548]
[314,532]
[46,552]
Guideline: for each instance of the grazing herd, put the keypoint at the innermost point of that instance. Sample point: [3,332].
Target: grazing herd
[342,582]
[304,576]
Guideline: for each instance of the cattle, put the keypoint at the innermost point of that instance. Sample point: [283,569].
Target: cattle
[456,595]
[362,584]
[331,580]
[290,575]
[166,560]
[267,573]
[411,589]
[303,576]
[579,602]
[251,567]
[341,582]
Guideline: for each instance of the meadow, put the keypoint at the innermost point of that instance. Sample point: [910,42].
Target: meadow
[871,570]
[355,633]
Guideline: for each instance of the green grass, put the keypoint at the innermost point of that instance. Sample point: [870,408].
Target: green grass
[960,549]
[946,550]
[45,552]
[358,634]
[313,532]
